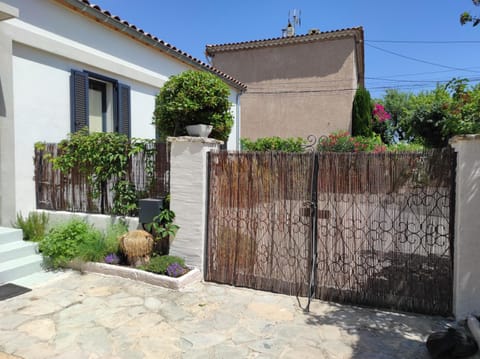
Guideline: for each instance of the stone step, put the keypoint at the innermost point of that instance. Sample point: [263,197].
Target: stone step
[20,267]
[17,249]
[8,235]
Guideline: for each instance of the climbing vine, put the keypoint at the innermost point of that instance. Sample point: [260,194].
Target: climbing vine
[105,158]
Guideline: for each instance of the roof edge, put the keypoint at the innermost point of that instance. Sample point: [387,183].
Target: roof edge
[105,18]
[283,41]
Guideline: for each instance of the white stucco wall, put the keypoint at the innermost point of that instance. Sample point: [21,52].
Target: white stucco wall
[49,41]
[42,110]
[466,270]
[7,167]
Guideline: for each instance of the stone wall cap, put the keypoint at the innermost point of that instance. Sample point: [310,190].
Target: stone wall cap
[459,138]
[195,140]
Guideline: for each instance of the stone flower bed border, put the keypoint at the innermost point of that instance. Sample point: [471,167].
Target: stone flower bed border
[192,276]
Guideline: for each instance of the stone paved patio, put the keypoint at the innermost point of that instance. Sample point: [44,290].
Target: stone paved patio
[95,316]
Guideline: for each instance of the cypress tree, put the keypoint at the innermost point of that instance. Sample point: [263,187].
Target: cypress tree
[362,113]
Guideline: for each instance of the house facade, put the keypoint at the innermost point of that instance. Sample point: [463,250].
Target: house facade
[297,85]
[65,64]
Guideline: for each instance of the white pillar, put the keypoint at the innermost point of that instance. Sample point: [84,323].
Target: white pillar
[188,196]
[7,131]
[466,269]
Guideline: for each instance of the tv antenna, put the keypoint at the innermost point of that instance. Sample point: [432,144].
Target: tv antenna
[294,21]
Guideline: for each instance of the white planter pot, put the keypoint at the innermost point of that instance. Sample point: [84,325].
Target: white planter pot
[199,130]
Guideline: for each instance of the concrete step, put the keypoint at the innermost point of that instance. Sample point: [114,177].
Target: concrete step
[39,279]
[8,235]
[17,249]
[20,267]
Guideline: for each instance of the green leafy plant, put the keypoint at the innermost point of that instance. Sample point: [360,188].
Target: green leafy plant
[162,225]
[190,98]
[62,243]
[274,144]
[34,226]
[159,264]
[125,199]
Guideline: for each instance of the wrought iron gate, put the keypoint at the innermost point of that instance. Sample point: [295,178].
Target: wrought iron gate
[372,229]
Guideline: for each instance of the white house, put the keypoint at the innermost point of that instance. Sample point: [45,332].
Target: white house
[67,63]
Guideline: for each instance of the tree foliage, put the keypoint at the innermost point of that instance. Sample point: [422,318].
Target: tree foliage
[362,113]
[467,17]
[433,117]
[190,98]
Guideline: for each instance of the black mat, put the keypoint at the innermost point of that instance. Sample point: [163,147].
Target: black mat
[10,290]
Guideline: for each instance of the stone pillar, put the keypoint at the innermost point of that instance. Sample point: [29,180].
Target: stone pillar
[466,269]
[188,196]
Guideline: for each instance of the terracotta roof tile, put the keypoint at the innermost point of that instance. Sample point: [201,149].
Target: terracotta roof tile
[181,55]
[276,41]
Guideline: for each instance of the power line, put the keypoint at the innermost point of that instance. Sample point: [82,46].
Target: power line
[472,79]
[425,41]
[420,60]
[430,72]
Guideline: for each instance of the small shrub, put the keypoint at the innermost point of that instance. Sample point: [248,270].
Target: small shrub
[34,226]
[340,141]
[372,144]
[160,264]
[291,144]
[343,142]
[63,242]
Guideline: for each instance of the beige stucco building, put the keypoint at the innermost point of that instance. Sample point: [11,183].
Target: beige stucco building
[298,85]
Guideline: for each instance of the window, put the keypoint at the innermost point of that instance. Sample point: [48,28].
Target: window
[100,103]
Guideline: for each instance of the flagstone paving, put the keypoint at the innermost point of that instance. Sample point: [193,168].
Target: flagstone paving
[94,316]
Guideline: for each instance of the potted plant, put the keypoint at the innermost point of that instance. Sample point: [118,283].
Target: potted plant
[194,98]
[163,230]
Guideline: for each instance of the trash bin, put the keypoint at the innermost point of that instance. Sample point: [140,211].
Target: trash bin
[149,208]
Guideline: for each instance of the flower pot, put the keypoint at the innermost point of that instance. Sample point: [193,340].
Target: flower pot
[199,130]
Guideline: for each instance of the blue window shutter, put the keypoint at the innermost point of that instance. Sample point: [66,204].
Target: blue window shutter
[78,100]
[124,109]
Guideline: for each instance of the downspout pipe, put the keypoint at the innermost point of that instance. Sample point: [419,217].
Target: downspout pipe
[239,120]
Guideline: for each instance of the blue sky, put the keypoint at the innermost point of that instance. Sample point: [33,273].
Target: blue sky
[440,47]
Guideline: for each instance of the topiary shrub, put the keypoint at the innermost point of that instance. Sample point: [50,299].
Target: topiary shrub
[191,98]
[362,113]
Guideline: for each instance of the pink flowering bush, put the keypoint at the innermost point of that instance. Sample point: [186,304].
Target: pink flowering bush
[342,142]
[379,113]
[381,123]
